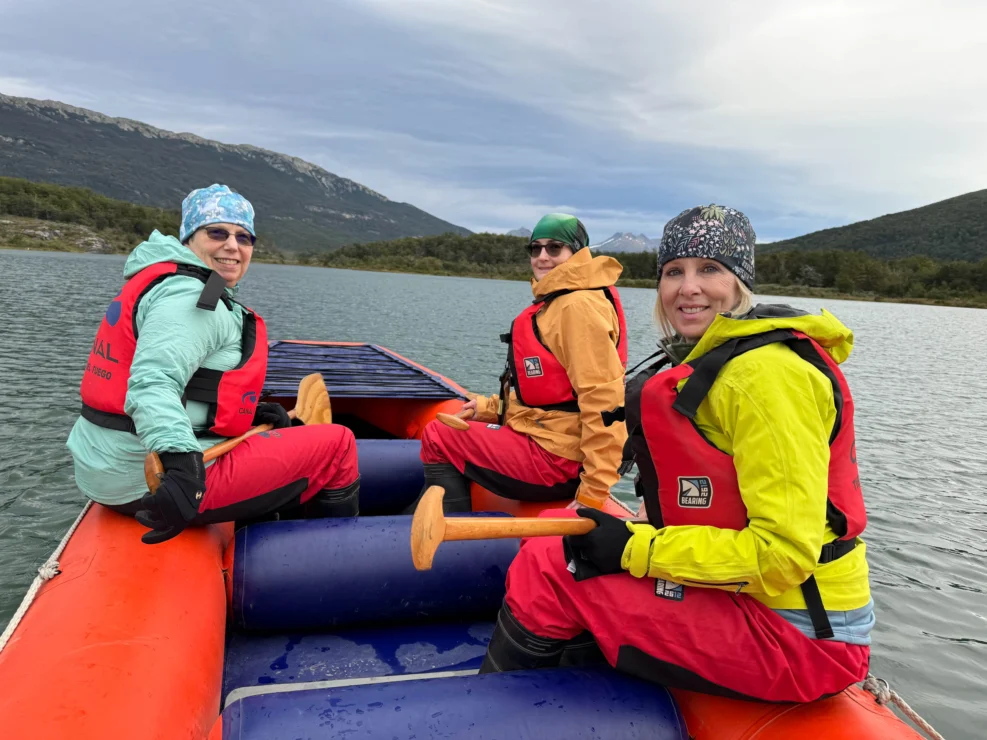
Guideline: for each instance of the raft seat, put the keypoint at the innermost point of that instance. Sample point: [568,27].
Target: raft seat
[329,574]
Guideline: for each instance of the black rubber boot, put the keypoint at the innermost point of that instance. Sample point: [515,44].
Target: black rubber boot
[334,502]
[514,648]
[457,487]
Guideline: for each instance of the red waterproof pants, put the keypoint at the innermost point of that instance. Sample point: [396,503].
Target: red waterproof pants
[701,639]
[282,467]
[501,460]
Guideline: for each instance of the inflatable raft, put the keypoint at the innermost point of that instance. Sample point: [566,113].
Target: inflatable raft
[323,628]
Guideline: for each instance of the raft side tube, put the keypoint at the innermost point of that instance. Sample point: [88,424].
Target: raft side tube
[332,573]
[127,642]
[850,715]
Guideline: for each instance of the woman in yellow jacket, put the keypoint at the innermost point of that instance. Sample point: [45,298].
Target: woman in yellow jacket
[750,580]
[543,438]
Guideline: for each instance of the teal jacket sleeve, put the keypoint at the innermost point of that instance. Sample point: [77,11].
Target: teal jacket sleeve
[173,339]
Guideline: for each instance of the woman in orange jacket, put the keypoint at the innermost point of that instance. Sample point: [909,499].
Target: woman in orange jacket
[543,438]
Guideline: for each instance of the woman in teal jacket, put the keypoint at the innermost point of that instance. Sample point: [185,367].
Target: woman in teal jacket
[177,365]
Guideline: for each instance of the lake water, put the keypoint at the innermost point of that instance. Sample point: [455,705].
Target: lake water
[917,373]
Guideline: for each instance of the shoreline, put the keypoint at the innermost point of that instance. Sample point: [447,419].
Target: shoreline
[773,289]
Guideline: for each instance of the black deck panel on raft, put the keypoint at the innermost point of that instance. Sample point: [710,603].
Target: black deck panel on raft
[355,371]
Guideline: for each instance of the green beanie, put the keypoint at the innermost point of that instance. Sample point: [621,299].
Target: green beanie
[562,228]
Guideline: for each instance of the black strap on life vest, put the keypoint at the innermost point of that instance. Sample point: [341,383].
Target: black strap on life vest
[212,292]
[810,589]
[707,368]
[116,422]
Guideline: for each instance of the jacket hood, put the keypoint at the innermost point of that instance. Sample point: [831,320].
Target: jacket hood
[827,330]
[161,248]
[582,271]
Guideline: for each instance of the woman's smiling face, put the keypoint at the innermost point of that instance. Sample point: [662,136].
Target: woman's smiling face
[693,290]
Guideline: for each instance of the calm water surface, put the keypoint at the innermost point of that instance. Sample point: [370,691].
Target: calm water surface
[917,373]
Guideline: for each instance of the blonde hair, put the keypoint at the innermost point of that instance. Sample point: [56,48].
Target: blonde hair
[745,304]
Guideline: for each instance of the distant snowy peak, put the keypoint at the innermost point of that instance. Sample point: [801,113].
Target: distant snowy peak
[627,242]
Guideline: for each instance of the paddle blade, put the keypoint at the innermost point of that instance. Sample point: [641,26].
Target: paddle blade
[452,421]
[312,405]
[427,528]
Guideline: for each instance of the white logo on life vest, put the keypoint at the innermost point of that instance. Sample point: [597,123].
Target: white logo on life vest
[696,492]
[532,367]
[669,590]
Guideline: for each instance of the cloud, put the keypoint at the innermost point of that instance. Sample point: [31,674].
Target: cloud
[866,99]
[489,114]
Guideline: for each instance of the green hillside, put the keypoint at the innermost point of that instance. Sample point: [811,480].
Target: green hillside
[477,255]
[832,272]
[954,229]
[42,216]
[300,206]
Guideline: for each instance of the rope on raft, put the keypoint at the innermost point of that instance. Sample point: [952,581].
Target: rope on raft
[884,694]
[45,573]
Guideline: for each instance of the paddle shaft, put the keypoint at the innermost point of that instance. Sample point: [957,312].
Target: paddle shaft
[154,470]
[495,528]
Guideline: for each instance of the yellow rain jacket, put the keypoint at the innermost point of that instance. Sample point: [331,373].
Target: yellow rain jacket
[581,330]
[773,412]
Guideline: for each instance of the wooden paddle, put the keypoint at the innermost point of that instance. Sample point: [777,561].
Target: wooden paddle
[429,528]
[458,421]
[312,406]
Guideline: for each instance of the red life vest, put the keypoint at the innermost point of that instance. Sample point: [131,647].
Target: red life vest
[231,395]
[697,482]
[543,382]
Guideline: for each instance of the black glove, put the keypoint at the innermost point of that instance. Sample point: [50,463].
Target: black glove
[272,413]
[598,552]
[177,500]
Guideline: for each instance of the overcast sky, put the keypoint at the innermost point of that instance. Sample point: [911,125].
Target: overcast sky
[802,113]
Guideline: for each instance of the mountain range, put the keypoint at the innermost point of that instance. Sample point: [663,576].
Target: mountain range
[628,242]
[619,242]
[300,206]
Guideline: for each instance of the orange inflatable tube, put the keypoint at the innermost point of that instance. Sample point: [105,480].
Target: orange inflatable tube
[127,642]
[852,714]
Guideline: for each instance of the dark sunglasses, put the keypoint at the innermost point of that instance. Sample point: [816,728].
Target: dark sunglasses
[554,250]
[221,235]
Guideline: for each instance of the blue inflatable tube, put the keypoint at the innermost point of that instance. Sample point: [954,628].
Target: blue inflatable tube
[571,703]
[391,474]
[361,652]
[330,573]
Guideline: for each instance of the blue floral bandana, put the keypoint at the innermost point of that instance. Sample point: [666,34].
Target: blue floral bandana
[711,232]
[216,204]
